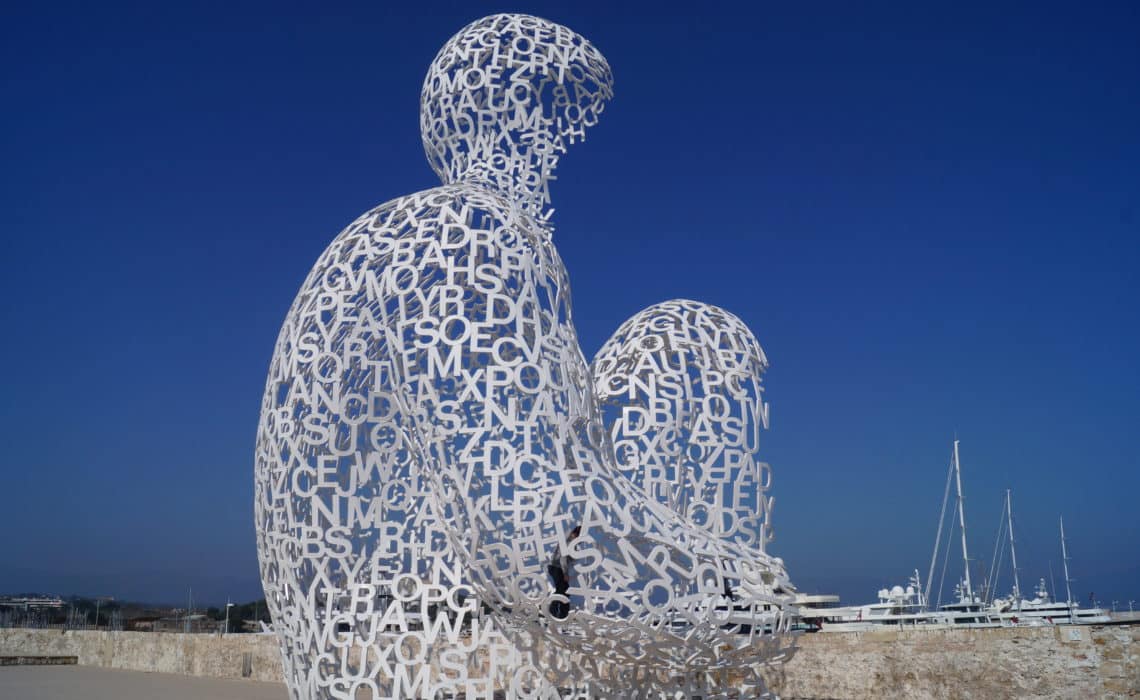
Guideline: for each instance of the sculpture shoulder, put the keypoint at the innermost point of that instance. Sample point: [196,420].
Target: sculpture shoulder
[427,211]
[402,241]
[434,224]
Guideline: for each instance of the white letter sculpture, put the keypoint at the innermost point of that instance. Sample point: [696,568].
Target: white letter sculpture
[430,429]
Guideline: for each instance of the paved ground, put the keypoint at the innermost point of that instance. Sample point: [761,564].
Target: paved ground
[88,683]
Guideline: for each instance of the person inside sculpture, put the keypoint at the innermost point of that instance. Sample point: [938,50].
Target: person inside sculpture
[560,570]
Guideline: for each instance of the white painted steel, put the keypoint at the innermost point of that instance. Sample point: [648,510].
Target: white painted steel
[968,592]
[430,436]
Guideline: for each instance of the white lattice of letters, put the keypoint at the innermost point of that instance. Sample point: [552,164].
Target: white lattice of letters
[680,389]
[432,439]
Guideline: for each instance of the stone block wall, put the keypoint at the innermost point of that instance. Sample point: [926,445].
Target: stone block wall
[1055,663]
[959,664]
[161,652]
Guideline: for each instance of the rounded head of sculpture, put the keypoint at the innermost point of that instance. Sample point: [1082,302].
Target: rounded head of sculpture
[503,100]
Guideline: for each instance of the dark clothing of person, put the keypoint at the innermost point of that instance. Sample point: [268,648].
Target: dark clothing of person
[560,568]
[558,608]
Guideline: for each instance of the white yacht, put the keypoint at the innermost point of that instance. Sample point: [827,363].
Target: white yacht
[900,607]
[897,608]
[911,607]
[814,609]
[1042,609]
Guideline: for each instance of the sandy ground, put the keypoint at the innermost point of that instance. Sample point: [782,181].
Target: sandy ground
[87,683]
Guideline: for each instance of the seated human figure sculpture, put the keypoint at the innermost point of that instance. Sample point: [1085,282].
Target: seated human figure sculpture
[428,396]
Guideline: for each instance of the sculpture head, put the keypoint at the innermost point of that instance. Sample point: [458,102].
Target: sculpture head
[505,97]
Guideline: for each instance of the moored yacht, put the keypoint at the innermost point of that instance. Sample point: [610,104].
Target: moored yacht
[900,607]
[1043,609]
[897,608]
[911,607]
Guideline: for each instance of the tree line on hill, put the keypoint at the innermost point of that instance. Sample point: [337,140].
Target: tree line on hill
[80,612]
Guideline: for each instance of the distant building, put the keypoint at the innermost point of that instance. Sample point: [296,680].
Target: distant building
[142,624]
[30,602]
[194,624]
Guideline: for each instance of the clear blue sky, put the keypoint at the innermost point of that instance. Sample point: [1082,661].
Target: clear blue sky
[929,216]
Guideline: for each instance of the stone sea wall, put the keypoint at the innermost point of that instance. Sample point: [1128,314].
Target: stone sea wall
[1043,662]
[1028,662]
[162,652]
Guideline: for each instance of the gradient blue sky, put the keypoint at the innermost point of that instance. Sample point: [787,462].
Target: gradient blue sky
[928,215]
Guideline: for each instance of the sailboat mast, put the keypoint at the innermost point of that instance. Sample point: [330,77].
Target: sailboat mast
[938,536]
[1065,562]
[1012,549]
[967,591]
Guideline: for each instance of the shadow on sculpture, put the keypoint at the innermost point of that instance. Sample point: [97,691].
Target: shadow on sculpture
[431,433]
